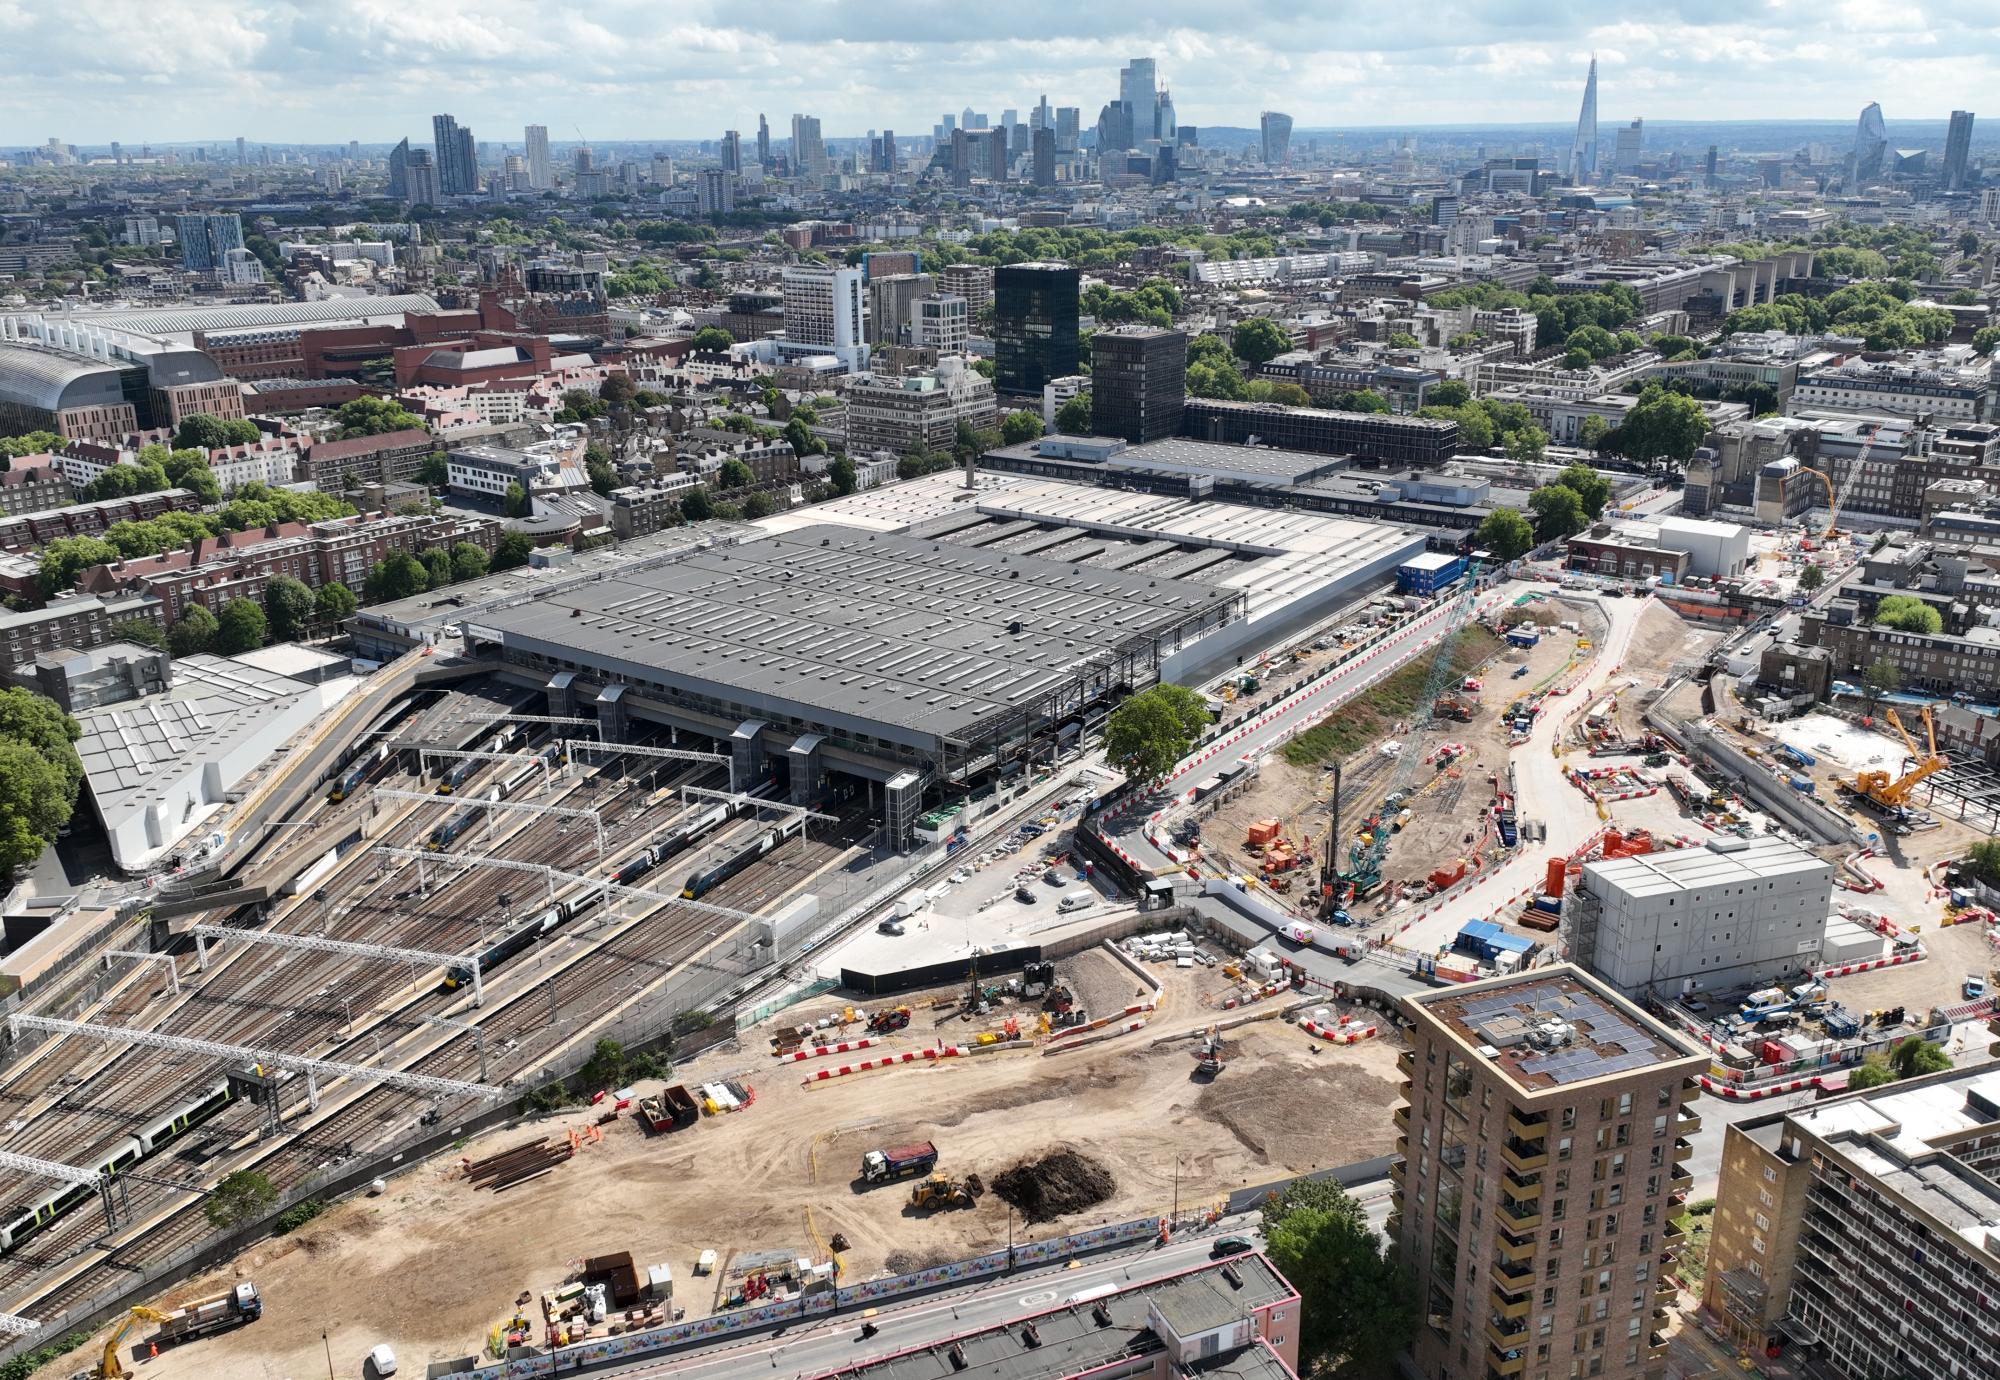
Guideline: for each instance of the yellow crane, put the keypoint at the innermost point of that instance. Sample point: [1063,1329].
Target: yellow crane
[1835,500]
[1893,792]
[110,1368]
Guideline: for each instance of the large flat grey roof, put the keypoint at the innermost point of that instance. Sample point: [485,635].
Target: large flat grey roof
[185,321]
[830,625]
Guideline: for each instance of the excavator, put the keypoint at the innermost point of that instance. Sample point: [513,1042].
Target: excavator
[1208,1059]
[1890,795]
[110,1367]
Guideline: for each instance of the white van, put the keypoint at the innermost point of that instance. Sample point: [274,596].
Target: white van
[382,1361]
[1076,900]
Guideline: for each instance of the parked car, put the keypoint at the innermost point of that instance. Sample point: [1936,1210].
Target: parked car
[1024,896]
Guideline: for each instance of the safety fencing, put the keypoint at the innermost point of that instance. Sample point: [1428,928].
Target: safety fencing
[757,1015]
[824,1303]
[908,1056]
[821,1051]
[1348,1031]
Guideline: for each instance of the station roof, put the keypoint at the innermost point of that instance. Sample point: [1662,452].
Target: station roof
[184,322]
[1721,862]
[920,636]
[51,380]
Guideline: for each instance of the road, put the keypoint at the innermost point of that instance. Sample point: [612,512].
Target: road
[836,1342]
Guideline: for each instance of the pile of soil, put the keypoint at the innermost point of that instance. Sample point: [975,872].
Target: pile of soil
[1063,1181]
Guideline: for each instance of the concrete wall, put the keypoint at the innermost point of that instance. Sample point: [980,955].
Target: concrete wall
[1737,933]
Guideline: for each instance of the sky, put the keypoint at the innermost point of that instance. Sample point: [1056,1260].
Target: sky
[325,71]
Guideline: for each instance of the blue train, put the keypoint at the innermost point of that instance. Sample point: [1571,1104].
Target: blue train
[771,839]
[530,931]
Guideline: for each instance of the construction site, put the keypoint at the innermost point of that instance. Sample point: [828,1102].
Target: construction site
[783,1173]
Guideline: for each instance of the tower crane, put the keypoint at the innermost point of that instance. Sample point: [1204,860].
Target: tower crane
[1365,860]
[1835,502]
[1891,794]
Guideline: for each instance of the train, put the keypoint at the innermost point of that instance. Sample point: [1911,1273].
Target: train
[357,776]
[457,774]
[528,932]
[447,833]
[516,780]
[120,1157]
[681,835]
[699,883]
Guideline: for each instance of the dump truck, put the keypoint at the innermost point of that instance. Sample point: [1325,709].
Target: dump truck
[217,1313]
[898,1162]
[943,1191]
[672,1109]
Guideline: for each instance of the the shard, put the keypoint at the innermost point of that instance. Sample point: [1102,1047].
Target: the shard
[1583,152]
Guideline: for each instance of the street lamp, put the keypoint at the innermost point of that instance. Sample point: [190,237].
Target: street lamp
[329,1353]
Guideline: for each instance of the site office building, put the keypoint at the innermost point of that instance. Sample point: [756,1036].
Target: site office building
[1540,1167]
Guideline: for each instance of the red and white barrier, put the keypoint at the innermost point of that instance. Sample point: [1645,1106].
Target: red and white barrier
[1142,1009]
[908,1056]
[821,1051]
[1348,1032]
[1893,961]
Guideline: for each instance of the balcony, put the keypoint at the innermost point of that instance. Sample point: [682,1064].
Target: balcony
[1500,1364]
[1402,1147]
[1524,1156]
[1513,1279]
[1512,1309]
[1682,1148]
[1527,1126]
[1507,1337]
[1688,1124]
[1674,1235]
[1519,1217]
[1514,1252]
[1406,1064]
[1396,1173]
[1402,1118]
[1666,1289]
[1689,1093]
[1656,1346]
[1526,1190]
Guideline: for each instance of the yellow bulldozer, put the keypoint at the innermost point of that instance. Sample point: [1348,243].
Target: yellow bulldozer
[943,1191]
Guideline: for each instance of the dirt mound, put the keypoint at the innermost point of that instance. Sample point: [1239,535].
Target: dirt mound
[1060,1182]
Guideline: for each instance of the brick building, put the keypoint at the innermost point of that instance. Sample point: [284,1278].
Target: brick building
[32,531]
[34,484]
[75,621]
[390,458]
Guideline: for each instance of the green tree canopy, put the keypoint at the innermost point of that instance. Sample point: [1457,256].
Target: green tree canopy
[1361,400]
[334,603]
[468,562]
[1908,613]
[1661,425]
[143,631]
[373,417]
[1527,445]
[35,803]
[1356,1309]
[1558,512]
[841,474]
[1152,730]
[437,566]
[206,431]
[713,340]
[1811,578]
[1590,486]
[1259,339]
[734,474]
[515,502]
[241,1197]
[696,505]
[241,628]
[1505,533]
[1449,393]
[435,470]
[1017,427]
[290,606]
[400,576]
[30,443]
[759,505]
[1915,1056]
[513,549]
[67,557]
[1882,678]
[193,632]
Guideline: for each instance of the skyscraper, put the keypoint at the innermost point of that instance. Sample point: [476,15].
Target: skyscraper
[456,161]
[1164,123]
[1041,117]
[763,142]
[824,312]
[468,162]
[715,191]
[1069,128]
[399,171]
[1277,132]
[1138,382]
[732,151]
[206,240]
[421,180]
[1708,165]
[888,159]
[1625,156]
[1871,146]
[1044,155]
[539,177]
[808,149]
[1583,150]
[242,153]
[1034,325]
[1136,83]
[1957,150]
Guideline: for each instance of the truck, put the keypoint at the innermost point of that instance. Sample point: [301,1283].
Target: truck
[672,1109]
[217,1313]
[898,1162]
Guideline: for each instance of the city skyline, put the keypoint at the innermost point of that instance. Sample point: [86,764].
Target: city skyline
[358,69]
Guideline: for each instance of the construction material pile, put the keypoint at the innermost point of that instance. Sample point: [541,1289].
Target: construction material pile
[1063,1181]
[529,1160]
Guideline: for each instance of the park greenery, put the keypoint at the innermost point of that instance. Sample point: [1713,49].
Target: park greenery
[1878,312]
[1357,1312]
[1908,613]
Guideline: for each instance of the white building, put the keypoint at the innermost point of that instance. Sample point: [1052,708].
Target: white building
[378,252]
[143,232]
[1715,549]
[488,470]
[942,323]
[917,411]
[1948,385]
[241,268]
[824,314]
[1056,392]
[1734,913]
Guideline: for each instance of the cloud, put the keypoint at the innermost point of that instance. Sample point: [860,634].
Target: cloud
[329,70]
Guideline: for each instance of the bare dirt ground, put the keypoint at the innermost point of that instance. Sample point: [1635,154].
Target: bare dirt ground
[432,1265]
[1662,641]
[1442,816]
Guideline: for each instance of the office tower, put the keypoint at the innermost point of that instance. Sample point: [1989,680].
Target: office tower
[968,120]
[540,176]
[940,323]
[1034,325]
[763,141]
[1041,117]
[1708,165]
[714,191]
[1008,119]
[1625,155]
[1957,150]
[240,151]
[206,240]
[1444,211]
[973,282]
[1115,125]
[949,122]
[1136,83]
[420,187]
[1871,146]
[824,312]
[1163,117]
[117,153]
[1069,128]
[892,299]
[1277,131]
[514,173]
[399,178]
[663,170]
[444,142]
[1583,149]
[1541,1164]
[581,159]
[732,151]
[468,162]
[354,150]
[1856,1235]
[998,163]
[1138,382]
[808,149]
[1044,153]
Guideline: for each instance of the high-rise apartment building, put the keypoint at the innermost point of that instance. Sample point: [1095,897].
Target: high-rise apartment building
[1871,148]
[892,299]
[420,179]
[940,323]
[763,142]
[1958,150]
[1276,129]
[1625,154]
[824,313]
[399,175]
[1540,1171]
[1860,1236]
[714,192]
[973,282]
[1138,382]
[1583,148]
[457,157]
[1043,154]
[1035,308]
[206,240]
[731,150]
[808,148]
[540,176]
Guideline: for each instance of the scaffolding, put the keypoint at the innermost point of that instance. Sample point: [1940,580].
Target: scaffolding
[595,820]
[315,943]
[758,801]
[313,1069]
[64,1174]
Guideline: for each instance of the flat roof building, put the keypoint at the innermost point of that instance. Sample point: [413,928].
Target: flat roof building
[1035,311]
[1541,1166]
[1138,383]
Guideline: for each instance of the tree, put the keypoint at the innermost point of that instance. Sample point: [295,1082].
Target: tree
[1356,1309]
[437,566]
[1983,858]
[35,802]
[759,505]
[468,562]
[241,1197]
[841,472]
[1153,730]
[398,577]
[1558,512]
[334,604]
[1073,417]
[1591,431]
[1526,446]
[1590,486]
[30,443]
[1908,613]
[1676,346]
[36,723]
[1872,1072]
[435,470]
[1259,339]
[1290,395]
[1450,393]
[65,558]
[713,340]
[1811,578]
[515,504]
[205,431]
[696,505]
[1915,1056]
[617,389]
[1882,678]
[1662,425]
[1505,533]
[241,628]
[143,631]
[734,474]
[597,464]
[290,605]
[1403,340]
[193,632]
[1017,427]
[799,435]
[513,549]
[373,417]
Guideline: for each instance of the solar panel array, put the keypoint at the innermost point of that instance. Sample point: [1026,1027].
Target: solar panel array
[1570,1063]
